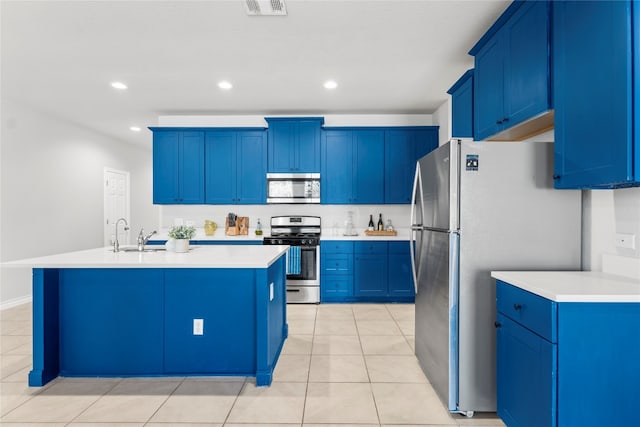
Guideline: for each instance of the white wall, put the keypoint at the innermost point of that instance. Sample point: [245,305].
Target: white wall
[52,191]
[442,118]
[331,215]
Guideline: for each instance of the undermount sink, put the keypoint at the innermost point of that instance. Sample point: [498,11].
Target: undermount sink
[135,249]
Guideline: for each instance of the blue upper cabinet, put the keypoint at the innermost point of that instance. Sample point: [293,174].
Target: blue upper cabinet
[403,148]
[596,90]
[462,106]
[511,83]
[235,166]
[178,167]
[352,166]
[294,144]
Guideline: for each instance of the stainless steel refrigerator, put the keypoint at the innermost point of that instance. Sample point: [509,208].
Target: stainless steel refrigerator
[477,207]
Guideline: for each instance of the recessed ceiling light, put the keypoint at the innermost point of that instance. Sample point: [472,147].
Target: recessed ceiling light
[330,84]
[135,128]
[118,85]
[225,85]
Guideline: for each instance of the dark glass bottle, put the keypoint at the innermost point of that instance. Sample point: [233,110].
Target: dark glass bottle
[371,227]
[380,223]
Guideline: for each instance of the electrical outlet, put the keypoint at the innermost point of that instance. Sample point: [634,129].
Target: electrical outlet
[626,241]
[188,223]
[198,326]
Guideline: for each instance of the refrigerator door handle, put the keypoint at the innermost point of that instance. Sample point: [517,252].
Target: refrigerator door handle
[416,224]
[414,268]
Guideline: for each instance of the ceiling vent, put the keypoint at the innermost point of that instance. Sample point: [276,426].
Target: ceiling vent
[265,7]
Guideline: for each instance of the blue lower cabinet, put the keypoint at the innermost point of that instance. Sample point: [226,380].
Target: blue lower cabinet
[111,322]
[336,275]
[565,364]
[400,273]
[337,288]
[365,271]
[217,297]
[370,269]
[527,362]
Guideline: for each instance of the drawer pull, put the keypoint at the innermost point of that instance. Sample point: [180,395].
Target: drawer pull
[497,324]
[517,306]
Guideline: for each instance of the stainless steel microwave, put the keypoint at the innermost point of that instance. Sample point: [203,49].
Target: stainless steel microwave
[293,188]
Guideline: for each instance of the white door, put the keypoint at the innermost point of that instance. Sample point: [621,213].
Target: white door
[116,205]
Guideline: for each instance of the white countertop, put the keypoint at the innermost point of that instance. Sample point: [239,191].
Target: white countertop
[574,286]
[328,234]
[217,236]
[216,256]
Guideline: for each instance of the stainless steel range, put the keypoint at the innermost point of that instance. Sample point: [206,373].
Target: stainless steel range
[302,233]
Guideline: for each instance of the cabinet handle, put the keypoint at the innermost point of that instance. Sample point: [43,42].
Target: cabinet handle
[556,176]
[506,119]
[517,306]
[497,324]
[498,122]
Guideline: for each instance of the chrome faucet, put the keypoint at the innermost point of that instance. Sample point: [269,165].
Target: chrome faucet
[116,244]
[142,239]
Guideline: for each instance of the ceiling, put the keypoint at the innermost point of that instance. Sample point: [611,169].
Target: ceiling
[388,57]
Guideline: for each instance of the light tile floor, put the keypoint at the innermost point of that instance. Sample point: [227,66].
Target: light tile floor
[346,365]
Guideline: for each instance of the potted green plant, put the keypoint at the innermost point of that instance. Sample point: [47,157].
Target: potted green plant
[182,234]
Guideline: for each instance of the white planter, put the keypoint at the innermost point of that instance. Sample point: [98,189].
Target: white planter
[181,245]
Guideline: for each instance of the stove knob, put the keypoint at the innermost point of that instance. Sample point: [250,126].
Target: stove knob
[304,242]
[280,241]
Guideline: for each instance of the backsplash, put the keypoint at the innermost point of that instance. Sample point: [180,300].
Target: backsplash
[333,217]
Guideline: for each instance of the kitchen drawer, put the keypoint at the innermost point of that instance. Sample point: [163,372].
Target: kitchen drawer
[337,286]
[401,247]
[335,247]
[337,264]
[370,248]
[534,312]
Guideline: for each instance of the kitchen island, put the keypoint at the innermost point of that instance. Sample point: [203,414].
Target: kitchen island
[216,310]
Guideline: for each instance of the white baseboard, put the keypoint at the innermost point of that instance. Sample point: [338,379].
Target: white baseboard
[15,302]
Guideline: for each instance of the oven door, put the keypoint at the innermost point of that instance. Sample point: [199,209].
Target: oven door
[303,274]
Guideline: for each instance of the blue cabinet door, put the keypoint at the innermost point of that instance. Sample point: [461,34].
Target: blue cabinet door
[251,162]
[400,274]
[527,364]
[178,167]
[308,150]
[370,275]
[488,87]
[282,145]
[235,167]
[165,167]
[403,148]
[527,82]
[462,106]
[220,150]
[370,269]
[191,168]
[399,166]
[337,163]
[368,167]
[294,144]
[593,97]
